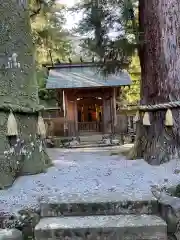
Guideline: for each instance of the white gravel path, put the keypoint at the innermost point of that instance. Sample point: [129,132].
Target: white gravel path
[84,172]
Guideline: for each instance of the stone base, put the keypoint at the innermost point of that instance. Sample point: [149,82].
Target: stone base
[127,227]
[21,155]
[110,139]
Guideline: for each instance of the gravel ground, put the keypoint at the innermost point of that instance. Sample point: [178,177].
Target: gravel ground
[86,171]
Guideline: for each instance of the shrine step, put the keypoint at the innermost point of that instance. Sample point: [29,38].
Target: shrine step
[91,138]
[92,145]
[128,227]
[111,204]
[10,234]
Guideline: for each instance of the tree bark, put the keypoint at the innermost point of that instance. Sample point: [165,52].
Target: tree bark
[24,154]
[159,54]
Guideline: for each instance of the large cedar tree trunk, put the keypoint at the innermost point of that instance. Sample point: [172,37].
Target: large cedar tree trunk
[160,65]
[26,153]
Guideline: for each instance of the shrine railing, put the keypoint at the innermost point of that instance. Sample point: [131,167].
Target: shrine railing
[57,126]
[89,127]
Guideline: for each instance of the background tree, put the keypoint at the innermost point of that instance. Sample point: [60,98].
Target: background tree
[51,42]
[109,30]
[110,34]
[143,25]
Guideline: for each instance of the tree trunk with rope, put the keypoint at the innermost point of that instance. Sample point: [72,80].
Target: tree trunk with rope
[159,54]
[23,153]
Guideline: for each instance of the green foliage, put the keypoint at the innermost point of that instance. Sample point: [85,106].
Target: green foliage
[114,53]
[49,38]
[99,20]
[133,94]
[39,6]
[118,50]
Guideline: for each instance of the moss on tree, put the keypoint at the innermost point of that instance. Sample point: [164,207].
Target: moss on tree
[24,154]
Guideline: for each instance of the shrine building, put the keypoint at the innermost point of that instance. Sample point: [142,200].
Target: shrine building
[89,98]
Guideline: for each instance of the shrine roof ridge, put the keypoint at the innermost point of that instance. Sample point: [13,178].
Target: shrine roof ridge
[71,65]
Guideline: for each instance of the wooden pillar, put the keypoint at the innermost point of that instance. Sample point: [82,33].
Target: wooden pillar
[109,111]
[103,114]
[106,112]
[114,120]
[72,113]
[65,106]
[76,116]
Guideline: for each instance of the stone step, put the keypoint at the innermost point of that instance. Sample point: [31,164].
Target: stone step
[111,204]
[92,145]
[128,227]
[90,137]
[10,234]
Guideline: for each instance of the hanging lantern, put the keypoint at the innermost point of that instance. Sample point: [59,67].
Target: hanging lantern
[41,128]
[137,116]
[169,118]
[146,119]
[12,129]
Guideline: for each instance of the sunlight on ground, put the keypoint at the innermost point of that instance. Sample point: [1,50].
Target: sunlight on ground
[122,150]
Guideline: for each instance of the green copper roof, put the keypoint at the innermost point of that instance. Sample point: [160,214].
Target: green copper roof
[78,76]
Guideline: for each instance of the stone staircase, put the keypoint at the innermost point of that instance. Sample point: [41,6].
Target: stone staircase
[99,217]
[88,140]
[95,140]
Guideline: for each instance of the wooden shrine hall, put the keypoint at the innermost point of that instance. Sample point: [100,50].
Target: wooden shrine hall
[89,98]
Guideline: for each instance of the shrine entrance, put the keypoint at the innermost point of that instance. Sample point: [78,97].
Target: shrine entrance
[90,114]
[89,110]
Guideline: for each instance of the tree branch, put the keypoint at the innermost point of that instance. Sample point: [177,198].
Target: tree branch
[35,12]
[39,3]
